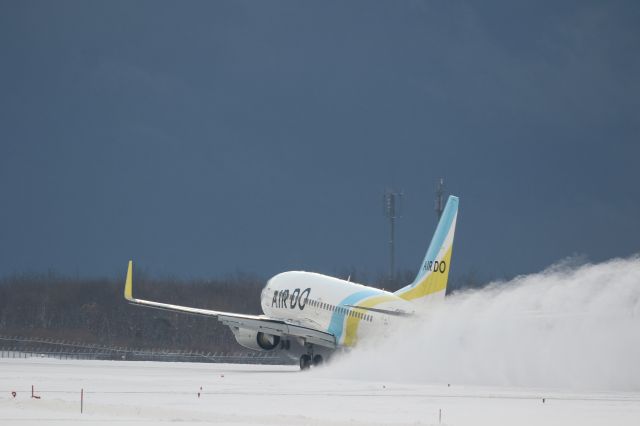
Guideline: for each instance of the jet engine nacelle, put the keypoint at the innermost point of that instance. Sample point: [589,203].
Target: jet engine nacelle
[256,340]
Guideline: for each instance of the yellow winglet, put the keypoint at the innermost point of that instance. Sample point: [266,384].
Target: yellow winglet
[128,284]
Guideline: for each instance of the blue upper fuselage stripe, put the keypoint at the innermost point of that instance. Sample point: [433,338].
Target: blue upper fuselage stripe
[336,326]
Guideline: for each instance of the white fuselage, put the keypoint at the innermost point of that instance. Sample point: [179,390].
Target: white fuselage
[345,309]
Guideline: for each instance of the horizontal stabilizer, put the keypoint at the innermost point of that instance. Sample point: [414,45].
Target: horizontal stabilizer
[397,312]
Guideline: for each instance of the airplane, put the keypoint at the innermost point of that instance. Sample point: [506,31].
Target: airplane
[308,316]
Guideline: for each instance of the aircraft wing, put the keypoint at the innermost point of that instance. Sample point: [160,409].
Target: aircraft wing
[252,322]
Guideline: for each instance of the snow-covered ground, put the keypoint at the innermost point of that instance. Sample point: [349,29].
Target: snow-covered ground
[126,393]
[569,335]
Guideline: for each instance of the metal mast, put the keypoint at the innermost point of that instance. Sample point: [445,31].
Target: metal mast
[440,198]
[392,201]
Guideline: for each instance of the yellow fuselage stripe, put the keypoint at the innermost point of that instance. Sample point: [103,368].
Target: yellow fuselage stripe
[351,337]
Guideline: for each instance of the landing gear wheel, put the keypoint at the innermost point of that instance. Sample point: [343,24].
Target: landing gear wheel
[317,360]
[305,362]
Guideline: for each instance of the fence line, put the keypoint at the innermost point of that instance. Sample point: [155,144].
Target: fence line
[29,347]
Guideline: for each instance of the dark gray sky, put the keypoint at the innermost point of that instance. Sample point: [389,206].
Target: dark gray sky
[201,138]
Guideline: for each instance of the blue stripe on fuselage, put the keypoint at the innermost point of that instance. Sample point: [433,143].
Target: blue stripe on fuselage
[336,326]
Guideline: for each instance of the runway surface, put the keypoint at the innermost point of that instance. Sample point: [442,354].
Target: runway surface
[128,393]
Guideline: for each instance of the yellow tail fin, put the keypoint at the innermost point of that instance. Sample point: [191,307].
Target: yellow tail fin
[431,280]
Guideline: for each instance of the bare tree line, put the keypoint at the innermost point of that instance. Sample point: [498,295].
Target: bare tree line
[94,311]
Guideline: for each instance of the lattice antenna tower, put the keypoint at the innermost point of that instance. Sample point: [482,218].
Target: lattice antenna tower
[392,210]
[439,204]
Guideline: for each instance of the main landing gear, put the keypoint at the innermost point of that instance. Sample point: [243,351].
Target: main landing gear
[307,360]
